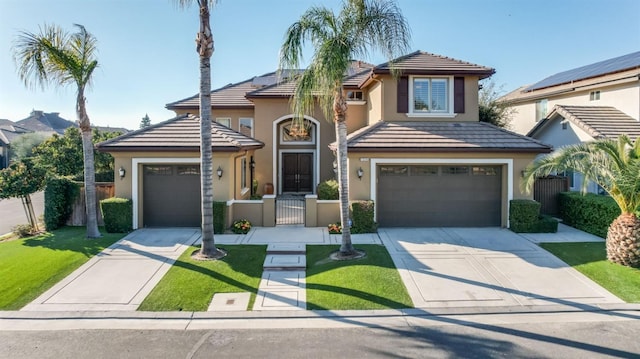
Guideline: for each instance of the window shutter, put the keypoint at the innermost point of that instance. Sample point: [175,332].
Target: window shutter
[458,94]
[403,94]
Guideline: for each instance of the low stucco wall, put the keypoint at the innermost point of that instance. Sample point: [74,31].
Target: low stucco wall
[249,209]
[327,212]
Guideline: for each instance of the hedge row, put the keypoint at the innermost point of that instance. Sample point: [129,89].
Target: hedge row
[591,213]
[117,214]
[59,196]
[362,217]
[524,217]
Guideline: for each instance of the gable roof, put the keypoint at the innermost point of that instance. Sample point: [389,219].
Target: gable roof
[40,121]
[440,137]
[425,63]
[181,133]
[616,64]
[598,121]
[229,96]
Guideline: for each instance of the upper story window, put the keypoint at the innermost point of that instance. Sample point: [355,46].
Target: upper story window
[224,121]
[594,95]
[246,126]
[297,133]
[430,95]
[355,96]
[541,109]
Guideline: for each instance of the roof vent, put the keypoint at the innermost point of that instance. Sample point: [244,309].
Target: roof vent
[456,125]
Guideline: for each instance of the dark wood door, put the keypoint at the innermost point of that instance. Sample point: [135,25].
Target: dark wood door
[297,172]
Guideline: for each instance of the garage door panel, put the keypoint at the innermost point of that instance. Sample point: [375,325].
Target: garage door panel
[171,196]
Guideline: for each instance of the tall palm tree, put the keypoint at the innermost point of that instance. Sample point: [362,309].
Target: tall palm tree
[56,57]
[360,27]
[615,166]
[204,48]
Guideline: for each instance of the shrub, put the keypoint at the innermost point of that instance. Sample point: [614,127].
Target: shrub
[591,213]
[335,228]
[524,217]
[363,217]
[59,196]
[219,216]
[117,214]
[328,190]
[241,226]
[22,230]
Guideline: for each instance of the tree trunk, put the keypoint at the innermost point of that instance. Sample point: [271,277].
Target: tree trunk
[340,111]
[623,240]
[204,46]
[27,204]
[89,167]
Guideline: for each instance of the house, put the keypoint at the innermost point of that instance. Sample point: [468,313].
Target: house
[8,132]
[614,82]
[48,123]
[416,148]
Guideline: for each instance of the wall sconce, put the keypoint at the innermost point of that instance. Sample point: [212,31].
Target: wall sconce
[360,173]
[252,163]
[122,172]
[219,172]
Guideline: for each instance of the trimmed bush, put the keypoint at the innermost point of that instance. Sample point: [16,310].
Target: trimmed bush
[328,190]
[362,215]
[219,216]
[591,213]
[524,217]
[59,196]
[23,230]
[117,214]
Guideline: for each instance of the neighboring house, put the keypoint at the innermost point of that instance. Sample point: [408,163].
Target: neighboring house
[567,125]
[8,132]
[416,148]
[614,82]
[48,123]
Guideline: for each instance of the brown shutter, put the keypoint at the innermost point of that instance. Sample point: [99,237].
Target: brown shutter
[458,94]
[403,94]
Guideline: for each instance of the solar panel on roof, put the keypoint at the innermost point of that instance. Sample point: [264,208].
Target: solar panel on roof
[599,68]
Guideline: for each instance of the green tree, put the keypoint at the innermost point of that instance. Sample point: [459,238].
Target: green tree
[204,48]
[145,122]
[360,27]
[20,180]
[615,166]
[491,109]
[56,57]
[23,145]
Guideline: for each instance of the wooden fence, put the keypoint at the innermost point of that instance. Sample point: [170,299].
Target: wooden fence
[78,217]
[546,190]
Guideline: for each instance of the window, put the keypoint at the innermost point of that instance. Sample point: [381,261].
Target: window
[424,170]
[246,126]
[455,170]
[541,109]
[224,121]
[355,96]
[394,170]
[295,133]
[158,170]
[243,173]
[594,95]
[429,95]
[564,125]
[484,171]
[571,175]
[191,170]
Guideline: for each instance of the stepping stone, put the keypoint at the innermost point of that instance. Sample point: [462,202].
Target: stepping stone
[229,302]
[286,248]
[288,262]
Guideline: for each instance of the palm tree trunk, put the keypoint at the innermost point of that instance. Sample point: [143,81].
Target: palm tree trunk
[340,110]
[89,167]
[204,42]
[623,240]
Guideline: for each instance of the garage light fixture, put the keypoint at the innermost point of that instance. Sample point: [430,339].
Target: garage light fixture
[219,172]
[360,173]
[122,172]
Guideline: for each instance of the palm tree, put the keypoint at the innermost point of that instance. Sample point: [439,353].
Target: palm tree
[360,27]
[56,57]
[204,48]
[615,166]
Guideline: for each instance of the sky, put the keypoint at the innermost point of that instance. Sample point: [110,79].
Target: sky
[147,58]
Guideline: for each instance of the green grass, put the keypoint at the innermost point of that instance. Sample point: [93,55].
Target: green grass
[372,282]
[189,285]
[30,266]
[591,260]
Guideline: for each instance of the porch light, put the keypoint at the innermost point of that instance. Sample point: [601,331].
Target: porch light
[360,173]
[252,163]
[122,172]
[219,172]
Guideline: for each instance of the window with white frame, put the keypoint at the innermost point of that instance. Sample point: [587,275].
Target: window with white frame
[594,95]
[243,173]
[246,126]
[224,121]
[297,133]
[355,96]
[541,109]
[430,95]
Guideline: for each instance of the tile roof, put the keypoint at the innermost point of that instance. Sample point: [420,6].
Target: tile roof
[597,121]
[616,64]
[230,96]
[181,133]
[39,121]
[440,137]
[424,63]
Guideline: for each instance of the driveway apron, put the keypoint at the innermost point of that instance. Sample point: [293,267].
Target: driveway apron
[485,267]
[121,276]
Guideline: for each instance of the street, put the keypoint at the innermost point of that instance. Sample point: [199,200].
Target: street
[450,339]
[12,211]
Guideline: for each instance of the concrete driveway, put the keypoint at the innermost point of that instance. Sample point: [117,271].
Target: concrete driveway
[485,267]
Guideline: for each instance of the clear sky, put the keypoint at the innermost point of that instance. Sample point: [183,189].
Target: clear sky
[147,51]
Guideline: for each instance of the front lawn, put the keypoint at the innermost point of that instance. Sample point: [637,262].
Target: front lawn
[372,282]
[190,284]
[591,260]
[30,266]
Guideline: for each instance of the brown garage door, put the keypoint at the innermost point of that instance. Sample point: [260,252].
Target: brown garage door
[439,196]
[171,195]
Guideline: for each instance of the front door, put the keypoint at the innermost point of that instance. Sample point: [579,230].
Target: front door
[297,172]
